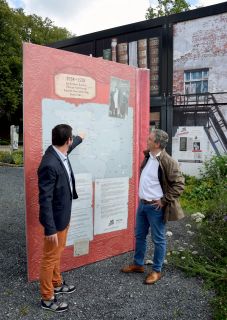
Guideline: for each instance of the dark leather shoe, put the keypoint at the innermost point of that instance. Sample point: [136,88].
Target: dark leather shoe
[152,277]
[132,268]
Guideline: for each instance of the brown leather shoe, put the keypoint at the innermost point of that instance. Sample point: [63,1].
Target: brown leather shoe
[132,268]
[152,277]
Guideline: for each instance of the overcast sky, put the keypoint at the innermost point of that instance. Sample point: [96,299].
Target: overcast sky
[87,16]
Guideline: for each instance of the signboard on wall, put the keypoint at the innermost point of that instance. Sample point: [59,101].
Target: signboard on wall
[110,103]
[191,147]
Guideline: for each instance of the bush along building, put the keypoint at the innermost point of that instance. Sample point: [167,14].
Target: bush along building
[187,57]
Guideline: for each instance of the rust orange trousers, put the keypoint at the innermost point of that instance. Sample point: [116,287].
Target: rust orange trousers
[50,275]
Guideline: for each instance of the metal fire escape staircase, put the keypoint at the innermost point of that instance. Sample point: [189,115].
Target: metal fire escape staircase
[207,105]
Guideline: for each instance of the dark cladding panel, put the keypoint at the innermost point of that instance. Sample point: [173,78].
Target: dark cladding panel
[82,48]
[101,45]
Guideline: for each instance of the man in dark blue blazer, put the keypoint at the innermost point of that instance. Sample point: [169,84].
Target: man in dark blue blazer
[56,191]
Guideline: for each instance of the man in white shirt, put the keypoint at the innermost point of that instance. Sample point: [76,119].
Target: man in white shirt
[161,184]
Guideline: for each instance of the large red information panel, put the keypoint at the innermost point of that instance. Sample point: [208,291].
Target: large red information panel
[109,102]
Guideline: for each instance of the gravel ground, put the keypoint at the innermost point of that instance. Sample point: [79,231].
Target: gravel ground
[102,291]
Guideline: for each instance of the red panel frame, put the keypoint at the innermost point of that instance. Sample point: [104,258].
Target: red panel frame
[40,66]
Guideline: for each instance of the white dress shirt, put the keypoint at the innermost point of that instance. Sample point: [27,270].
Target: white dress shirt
[149,186]
[64,160]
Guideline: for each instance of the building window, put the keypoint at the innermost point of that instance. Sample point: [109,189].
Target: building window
[196,81]
[183,143]
[154,120]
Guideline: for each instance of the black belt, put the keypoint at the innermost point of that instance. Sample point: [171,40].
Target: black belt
[148,202]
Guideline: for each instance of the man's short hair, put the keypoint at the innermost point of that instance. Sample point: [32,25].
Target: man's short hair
[60,134]
[161,137]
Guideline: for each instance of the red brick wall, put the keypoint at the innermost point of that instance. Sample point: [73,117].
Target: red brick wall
[178,81]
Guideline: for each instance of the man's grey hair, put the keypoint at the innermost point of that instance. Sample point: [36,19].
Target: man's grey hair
[161,137]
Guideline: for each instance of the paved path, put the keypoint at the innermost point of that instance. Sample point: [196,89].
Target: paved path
[102,291]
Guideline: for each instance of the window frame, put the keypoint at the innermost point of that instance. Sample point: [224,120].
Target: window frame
[201,81]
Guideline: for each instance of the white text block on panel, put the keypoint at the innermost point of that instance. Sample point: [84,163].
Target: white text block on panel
[81,224]
[111,204]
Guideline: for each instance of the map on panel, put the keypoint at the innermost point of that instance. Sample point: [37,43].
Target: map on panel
[107,149]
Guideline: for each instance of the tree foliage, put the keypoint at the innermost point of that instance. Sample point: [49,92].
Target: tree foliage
[17,27]
[167,7]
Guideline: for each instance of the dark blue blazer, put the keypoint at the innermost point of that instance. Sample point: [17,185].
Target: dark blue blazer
[55,196]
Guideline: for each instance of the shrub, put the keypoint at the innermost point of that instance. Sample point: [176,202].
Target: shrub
[215,169]
[16,157]
[209,196]
[6,157]
[200,193]
[4,142]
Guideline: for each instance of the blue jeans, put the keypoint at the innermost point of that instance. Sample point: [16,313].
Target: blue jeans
[149,216]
